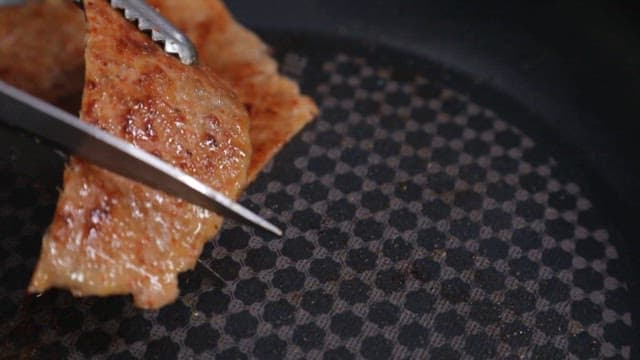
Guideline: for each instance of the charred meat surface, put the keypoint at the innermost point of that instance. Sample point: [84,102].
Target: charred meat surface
[276,107]
[113,236]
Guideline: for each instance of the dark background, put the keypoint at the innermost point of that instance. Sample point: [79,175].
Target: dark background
[575,63]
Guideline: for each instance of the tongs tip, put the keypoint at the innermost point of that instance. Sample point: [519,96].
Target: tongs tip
[162,30]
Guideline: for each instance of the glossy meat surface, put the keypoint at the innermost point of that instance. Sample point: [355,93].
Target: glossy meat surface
[114,236]
[41,50]
[48,38]
[276,107]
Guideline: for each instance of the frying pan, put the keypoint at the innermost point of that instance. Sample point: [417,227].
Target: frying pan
[468,191]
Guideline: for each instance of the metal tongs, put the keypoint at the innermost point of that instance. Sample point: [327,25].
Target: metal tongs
[21,110]
[162,30]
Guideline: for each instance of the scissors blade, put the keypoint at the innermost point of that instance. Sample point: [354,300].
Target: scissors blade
[26,112]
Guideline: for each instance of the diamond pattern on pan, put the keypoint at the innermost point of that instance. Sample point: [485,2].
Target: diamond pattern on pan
[418,223]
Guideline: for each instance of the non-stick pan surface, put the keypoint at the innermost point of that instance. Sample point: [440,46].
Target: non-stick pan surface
[428,216]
